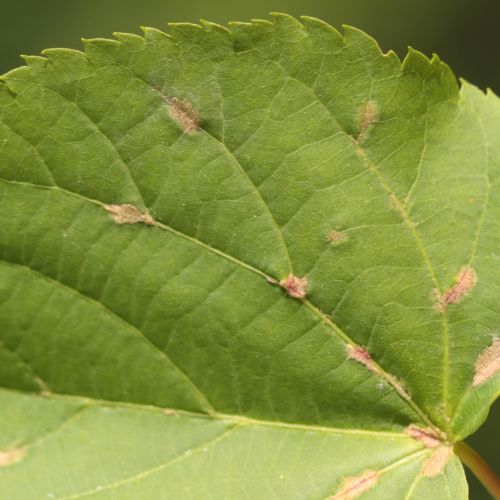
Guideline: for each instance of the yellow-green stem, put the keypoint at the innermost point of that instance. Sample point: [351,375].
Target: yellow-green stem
[479,468]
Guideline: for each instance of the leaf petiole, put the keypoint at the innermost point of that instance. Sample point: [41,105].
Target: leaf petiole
[479,467]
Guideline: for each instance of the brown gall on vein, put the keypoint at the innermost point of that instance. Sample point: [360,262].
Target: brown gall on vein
[128,214]
[13,456]
[353,487]
[294,286]
[336,237]
[367,117]
[441,451]
[436,463]
[465,281]
[361,355]
[184,113]
[427,436]
[487,363]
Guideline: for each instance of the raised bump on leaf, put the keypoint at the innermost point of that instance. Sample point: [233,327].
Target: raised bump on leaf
[427,436]
[367,117]
[465,281]
[336,237]
[128,214]
[184,113]
[487,363]
[294,286]
[361,355]
[12,456]
[353,487]
[436,463]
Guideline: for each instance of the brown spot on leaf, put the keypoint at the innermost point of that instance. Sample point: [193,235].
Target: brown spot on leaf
[9,457]
[295,287]
[353,487]
[184,114]
[128,214]
[436,463]
[487,363]
[465,281]
[336,237]
[427,436]
[361,355]
[367,116]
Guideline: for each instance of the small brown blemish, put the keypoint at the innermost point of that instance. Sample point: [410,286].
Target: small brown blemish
[128,214]
[436,463]
[184,114]
[487,363]
[465,281]
[169,412]
[336,237]
[295,287]
[9,457]
[427,436]
[353,487]
[367,116]
[361,355]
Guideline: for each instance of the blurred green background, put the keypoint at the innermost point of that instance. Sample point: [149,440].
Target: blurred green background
[465,33]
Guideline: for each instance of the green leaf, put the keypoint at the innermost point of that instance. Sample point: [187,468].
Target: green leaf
[156,192]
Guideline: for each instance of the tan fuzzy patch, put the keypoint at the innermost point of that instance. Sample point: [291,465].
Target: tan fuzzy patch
[128,214]
[465,281]
[436,463]
[367,117]
[295,287]
[361,355]
[336,237]
[184,114]
[353,487]
[487,363]
[427,436]
[9,457]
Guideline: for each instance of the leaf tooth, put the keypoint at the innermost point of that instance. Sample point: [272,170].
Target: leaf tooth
[130,40]
[152,34]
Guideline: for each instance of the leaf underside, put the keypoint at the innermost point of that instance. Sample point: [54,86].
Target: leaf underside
[156,191]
